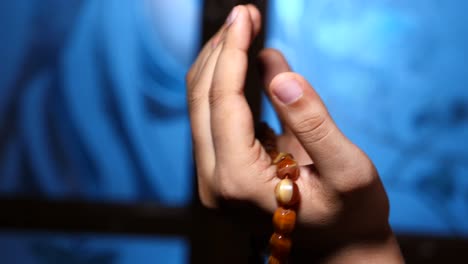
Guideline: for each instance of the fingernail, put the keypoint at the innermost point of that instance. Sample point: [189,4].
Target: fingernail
[232,16]
[288,91]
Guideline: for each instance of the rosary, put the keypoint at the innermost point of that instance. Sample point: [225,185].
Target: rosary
[287,197]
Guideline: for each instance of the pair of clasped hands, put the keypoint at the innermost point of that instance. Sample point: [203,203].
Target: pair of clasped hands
[343,203]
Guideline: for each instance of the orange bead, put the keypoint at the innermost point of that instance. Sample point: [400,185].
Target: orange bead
[284,220]
[287,193]
[285,160]
[281,156]
[287,168]
[280,246]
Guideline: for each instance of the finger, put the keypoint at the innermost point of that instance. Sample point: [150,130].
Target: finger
[231,119]
[201,132]
[214,41]
[218,37]
[200,117]
[198,100]
[256,18]
[207,49]
[199,82]
[304,112]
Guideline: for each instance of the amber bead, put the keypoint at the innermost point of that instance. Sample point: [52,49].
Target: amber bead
[284,220]
[281,156]
[280,245]
[287,168]
[287,193]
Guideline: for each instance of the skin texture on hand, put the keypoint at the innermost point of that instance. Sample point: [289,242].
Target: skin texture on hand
[343,206]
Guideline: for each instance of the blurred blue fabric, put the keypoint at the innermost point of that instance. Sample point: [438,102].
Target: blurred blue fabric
[92,105]
[90,100]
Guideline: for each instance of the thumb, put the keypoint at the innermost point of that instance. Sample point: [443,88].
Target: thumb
[301,108]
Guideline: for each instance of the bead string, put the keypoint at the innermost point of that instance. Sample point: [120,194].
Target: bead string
[287,197]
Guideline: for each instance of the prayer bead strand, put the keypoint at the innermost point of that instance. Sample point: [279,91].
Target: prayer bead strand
[287,197]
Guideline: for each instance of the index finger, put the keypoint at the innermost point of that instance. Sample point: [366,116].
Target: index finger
[231,118]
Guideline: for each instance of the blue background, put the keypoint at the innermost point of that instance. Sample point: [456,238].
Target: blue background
[393,75]
[92,106]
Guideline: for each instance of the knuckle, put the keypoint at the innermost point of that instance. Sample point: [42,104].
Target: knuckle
[206,200]
[367,168]
[231,188]
[327,213]
[225,187]
[195,97]
[227,192]
[366,173]
[363,176]
[215,97]
[313,128]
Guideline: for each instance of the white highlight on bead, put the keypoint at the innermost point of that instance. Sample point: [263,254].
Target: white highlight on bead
[284,191]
